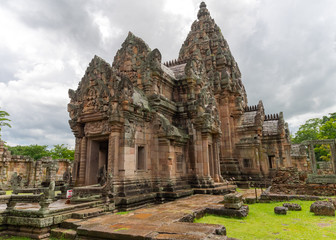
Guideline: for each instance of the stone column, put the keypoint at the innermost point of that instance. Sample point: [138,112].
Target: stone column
[198,154]
[38,173]
[312,158]
[205,152]
[333,156]
[226,128]
[82,162]
[75,169]
[211,160]
[32,173]
[216,161]
[115,162]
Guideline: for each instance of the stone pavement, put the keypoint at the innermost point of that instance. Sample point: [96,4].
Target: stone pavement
[156,222]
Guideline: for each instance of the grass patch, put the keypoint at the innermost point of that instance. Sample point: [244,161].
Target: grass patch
[122,213]
[263,223]
[14,238]
[119,229]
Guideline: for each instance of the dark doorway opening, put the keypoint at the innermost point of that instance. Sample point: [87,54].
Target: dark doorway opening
[98,160]
[270,161]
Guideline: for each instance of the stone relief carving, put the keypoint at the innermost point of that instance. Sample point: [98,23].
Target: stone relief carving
[99,127]
[129,133]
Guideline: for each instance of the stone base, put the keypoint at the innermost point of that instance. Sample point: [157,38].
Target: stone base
[218,189]
[267,196]
[31,232]
[134,202]
[233,205]
[221,211]
[250,200]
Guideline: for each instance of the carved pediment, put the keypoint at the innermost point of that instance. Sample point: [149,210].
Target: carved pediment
[97,128]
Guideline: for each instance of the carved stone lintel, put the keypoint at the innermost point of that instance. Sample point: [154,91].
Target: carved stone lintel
[97,128]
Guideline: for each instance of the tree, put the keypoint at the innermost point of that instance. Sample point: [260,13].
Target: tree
[307,131]
[60,151]
[4,120]
[34,151]
[318,128]
[328,129]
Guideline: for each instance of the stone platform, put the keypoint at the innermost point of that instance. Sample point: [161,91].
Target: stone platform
[162,221]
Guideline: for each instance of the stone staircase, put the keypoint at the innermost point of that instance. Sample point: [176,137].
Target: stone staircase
[219,188]
[67,228]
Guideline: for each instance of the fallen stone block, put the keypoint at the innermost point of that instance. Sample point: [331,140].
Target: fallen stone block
[323,208]
[292,206]
[280,210]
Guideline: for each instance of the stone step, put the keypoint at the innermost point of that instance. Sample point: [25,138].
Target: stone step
[88,213]
[215,190]
[176,194]
[61,233]
[71,223]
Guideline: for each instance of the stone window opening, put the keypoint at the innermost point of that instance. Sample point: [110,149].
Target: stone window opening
[247,163]
[179,162]
[141,163]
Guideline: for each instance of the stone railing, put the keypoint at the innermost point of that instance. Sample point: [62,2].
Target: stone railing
[44,199]
[94,192]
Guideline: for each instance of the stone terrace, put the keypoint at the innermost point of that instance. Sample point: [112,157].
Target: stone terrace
[158,222]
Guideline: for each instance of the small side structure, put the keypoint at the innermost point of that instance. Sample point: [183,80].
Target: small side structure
[30,173]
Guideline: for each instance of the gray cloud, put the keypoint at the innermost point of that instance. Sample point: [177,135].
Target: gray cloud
[285,51]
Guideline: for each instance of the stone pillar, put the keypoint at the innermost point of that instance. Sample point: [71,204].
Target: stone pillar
[198,154]
[333,156]
[82,162]
[115,162]
[38,173]
[312,158]
[4,175]
[75,169]
[226,128]
[171,161]
[32,173]
[211,160]
[205,152]
[216,162]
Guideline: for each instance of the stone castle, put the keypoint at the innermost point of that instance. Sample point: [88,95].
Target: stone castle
[168,129]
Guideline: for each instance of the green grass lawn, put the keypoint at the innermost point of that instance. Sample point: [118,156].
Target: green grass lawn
[263,223]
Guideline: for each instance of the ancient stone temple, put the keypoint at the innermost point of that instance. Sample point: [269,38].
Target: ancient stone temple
[168,128]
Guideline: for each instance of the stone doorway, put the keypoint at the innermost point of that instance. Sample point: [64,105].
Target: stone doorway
[96,161]
[271,162]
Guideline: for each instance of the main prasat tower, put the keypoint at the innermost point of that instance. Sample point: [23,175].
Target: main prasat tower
[164,131]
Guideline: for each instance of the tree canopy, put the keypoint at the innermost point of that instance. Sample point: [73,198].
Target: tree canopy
[318,128]
[4,120]
[59,151]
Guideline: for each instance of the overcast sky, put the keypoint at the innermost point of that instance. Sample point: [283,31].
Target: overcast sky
[286,51]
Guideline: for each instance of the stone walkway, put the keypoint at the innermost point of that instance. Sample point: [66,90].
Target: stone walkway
[156,222]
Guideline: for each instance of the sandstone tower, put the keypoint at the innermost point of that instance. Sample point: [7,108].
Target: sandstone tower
[167,130]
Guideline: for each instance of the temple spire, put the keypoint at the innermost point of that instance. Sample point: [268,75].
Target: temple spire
[203,11]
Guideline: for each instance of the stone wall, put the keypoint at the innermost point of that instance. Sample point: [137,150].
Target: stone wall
[32,172]
[292,181]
